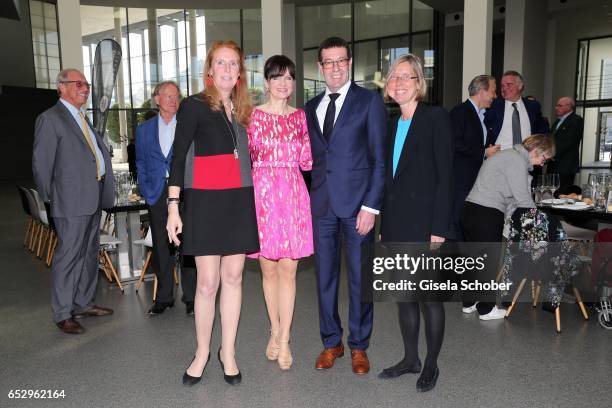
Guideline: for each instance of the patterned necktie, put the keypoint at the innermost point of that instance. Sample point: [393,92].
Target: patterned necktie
[516,126]
[330,115]
[90,143]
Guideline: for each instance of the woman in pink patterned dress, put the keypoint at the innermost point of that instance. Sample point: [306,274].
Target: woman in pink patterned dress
[280,146]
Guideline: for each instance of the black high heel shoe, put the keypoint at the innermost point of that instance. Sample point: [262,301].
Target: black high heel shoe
[191,380]
[230,379]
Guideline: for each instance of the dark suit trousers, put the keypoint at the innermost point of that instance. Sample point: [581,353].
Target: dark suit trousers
[329,233]
[482,224]
[74,271]
[566,179]
[163,256]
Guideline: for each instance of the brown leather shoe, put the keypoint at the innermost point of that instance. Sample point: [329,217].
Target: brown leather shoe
[361,364]
[327,357]
[95,310]
[70,326]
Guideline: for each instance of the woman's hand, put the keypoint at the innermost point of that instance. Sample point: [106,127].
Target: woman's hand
[174,225]
[435,242]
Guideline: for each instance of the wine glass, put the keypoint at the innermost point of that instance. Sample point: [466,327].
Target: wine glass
[555,183]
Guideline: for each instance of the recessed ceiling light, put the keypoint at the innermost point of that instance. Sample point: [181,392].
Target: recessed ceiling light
[368,5]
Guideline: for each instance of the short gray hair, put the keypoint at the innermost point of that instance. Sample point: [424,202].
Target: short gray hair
[478,83]
[160,85]
[515,74]
[62,76]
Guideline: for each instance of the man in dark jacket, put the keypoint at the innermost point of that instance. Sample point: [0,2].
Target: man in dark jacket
[567,132]
[469,138]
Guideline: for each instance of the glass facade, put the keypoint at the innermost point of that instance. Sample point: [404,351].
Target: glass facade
[593,96]
[379,31]
[160,45]
[45,42]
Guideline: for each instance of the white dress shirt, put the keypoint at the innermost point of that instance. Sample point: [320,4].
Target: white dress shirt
[322,109]
[505,134]
[166,135]
[481,115]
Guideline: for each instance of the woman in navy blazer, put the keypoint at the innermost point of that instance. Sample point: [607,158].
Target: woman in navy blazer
[417,205]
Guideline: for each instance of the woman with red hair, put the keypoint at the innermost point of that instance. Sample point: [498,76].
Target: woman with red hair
[212,167]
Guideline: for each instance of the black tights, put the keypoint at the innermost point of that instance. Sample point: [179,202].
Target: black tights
[409,321]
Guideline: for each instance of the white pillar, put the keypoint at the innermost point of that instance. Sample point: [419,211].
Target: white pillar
[514,35]
[477,38]
[70,35]
[271,27]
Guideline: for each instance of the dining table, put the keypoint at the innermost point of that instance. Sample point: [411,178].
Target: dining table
[589,217]
[127,227]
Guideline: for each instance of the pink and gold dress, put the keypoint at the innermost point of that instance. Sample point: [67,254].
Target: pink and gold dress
[279,147]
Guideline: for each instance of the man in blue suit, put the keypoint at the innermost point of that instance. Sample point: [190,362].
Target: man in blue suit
[154,140]
[512,119]
[347,127]
[469,140]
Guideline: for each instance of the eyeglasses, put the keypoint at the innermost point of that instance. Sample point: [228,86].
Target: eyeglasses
[403,78]
[340,63]
[79,84]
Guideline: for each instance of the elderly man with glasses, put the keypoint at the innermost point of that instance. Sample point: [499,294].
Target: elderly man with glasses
[72,170]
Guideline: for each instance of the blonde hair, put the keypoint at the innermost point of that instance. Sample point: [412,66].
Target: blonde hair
[416,65]
[240,94]
[543,144]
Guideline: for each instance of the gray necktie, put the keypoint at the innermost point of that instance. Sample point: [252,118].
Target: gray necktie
[516,126]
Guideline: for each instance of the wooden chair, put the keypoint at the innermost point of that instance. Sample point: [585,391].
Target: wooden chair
[147,242]
[108,243]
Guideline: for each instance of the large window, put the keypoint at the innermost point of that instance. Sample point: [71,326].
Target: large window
[379,31]
[594,100]
[160,45]
[45,42]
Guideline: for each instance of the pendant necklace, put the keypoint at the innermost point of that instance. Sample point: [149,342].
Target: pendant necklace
[234,137]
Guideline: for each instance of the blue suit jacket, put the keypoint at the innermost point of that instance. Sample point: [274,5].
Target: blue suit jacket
[151,163]
[494,118]
[349,171]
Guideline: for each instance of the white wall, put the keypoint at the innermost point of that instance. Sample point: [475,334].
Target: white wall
[573,25]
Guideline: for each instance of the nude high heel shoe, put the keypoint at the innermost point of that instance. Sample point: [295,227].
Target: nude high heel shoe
[272,348]
[285,359]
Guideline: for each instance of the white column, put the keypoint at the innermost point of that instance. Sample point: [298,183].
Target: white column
[70,35]
[271,27]
[514,35]
[477,38]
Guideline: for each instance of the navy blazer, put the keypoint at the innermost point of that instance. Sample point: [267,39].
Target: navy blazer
[151,163]
[494,118]
[349,171]
[468,155]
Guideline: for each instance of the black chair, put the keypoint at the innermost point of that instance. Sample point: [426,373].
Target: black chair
[26,208]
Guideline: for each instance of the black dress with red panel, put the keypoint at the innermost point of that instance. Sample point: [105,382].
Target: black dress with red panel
[211,163]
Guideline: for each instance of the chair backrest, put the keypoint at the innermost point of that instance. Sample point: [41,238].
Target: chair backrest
[34,210]
[42,212]
[24,200]
[148,240]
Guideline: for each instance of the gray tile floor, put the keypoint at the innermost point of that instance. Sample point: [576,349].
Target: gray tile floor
[132,360]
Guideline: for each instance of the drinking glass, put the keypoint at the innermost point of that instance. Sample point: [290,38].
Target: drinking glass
[555,183]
